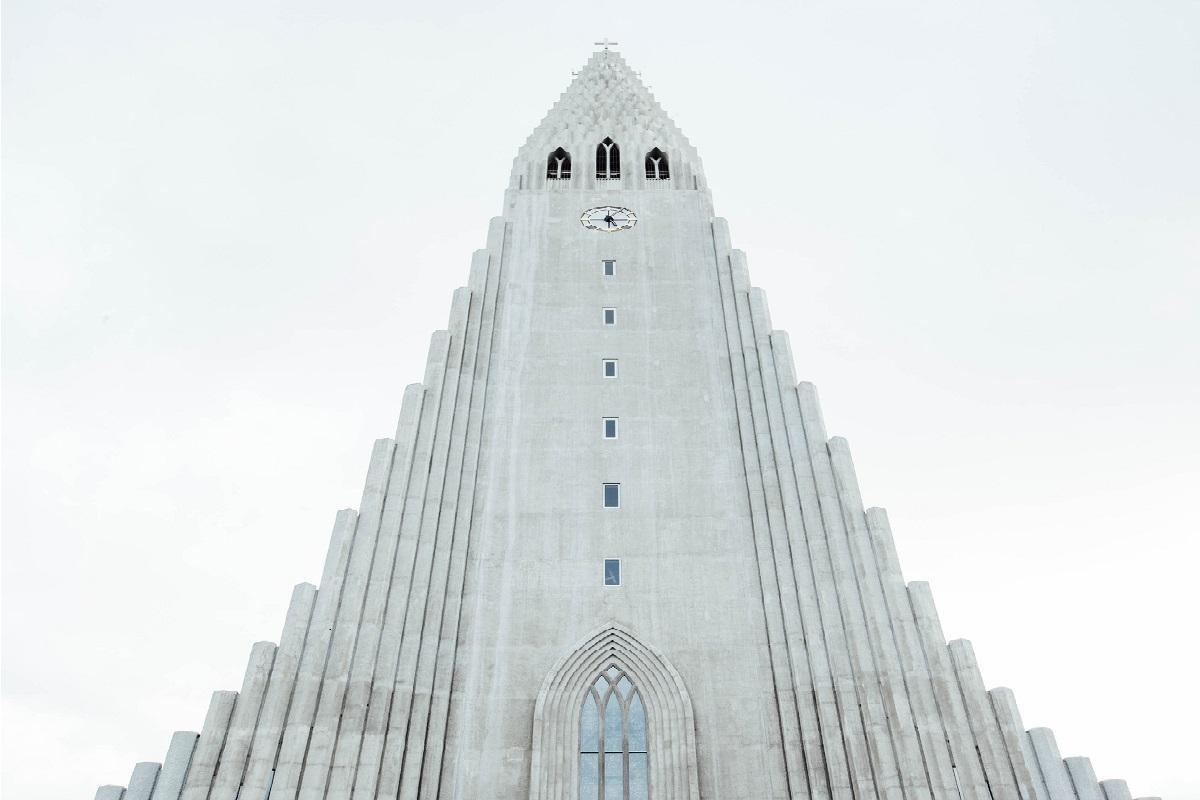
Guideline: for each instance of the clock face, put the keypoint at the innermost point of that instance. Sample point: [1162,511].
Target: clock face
[608,219]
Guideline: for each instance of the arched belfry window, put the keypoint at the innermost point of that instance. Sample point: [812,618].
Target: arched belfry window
[558,166]
[613,721]
[613,760]
[608,160]
[656,165]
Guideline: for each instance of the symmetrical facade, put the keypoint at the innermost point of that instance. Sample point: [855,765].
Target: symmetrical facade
[610,552]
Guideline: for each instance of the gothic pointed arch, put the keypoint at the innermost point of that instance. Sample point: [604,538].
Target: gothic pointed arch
[558,165]
[608,160]
[613,663]
[657,168]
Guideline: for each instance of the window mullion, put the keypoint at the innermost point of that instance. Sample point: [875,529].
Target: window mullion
[625,746]
[600,746]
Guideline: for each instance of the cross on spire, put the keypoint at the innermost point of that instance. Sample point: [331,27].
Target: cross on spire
[606,43]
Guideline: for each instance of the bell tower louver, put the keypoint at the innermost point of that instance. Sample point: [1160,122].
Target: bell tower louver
[611,551]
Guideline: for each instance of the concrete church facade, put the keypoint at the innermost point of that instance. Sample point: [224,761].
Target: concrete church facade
[610,552]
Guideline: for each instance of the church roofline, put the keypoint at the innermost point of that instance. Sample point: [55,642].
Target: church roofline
[606,99]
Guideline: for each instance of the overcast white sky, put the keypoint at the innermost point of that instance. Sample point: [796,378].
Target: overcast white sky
[230,227]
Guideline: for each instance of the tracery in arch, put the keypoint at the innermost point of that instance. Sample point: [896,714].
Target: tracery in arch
[657,168]
[608,160]
[659,725]
[614,763]
[558,165]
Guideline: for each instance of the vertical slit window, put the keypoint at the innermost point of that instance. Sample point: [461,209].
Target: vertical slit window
[610,367]
[610,427]
[610,267]
[612,495]
[610,316]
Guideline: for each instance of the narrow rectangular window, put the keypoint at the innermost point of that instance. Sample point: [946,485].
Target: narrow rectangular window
[610,427]
[612,495]
[610,368]
[610,267]
[610,316]
[612,572]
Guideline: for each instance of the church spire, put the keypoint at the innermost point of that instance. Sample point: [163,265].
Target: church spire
[607,101]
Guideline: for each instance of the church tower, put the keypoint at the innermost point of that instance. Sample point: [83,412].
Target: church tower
[611,552]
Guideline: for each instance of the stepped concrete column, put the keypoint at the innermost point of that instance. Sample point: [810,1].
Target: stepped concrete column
[141,782]
[175,766]
[1083,778]
[1115,789]
[208,748]
[1058,781]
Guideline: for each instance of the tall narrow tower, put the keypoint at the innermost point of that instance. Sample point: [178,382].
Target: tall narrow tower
[611,553]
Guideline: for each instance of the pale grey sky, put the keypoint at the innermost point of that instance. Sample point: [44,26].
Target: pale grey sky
[229,229]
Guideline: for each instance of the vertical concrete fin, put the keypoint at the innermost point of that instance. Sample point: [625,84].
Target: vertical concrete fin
[882,643]
[410,408]
[269,731]
[762,312]
[857,679]
[495,235]
[721,240]
[406,498]
[929,724]
[387,721]
[1054,771]
[479,269]
[473,393]
[825,646]
[460,306]
[375,486]
[208,747]
[921,596]
[967,761]
[426,498]
[315,769]
[383,585]
[785,365]
[821,728]
[786,529]
[307,691]
[340,540]
[435,363]
[739,271]
[831,571]
[996,764]
[110,792]
[1012,730]
[242,722]
[1083,778]
[1115,789]
[141,782]
[814,421]
[175,766]
[884,543]
[358,695]
[430,573]
[761,484]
